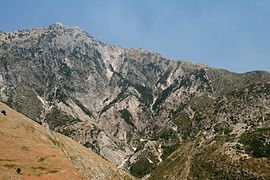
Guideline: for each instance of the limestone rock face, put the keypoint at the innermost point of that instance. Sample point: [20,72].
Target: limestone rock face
[128,105]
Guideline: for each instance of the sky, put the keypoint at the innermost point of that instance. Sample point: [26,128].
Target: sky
[230,34]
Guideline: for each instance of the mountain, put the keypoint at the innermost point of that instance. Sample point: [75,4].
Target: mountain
[133,107]
[44,154]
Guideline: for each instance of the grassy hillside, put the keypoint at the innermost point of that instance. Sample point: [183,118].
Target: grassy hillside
[43,154]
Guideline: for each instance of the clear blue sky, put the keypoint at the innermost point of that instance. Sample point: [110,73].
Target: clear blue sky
[231,34]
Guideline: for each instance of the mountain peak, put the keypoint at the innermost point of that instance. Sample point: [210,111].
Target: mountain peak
[59,25]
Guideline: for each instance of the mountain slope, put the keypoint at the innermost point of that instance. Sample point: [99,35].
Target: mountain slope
[233,142]
[132,106]
[43,154]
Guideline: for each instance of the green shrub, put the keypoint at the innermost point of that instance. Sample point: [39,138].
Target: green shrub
[257,142]
[141,167]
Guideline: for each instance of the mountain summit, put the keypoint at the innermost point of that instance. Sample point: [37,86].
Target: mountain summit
[136,108]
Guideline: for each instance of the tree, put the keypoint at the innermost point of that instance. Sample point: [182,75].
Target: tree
[4,112]
[18,170]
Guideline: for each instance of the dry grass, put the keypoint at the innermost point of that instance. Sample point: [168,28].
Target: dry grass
[42,154]
[22,144]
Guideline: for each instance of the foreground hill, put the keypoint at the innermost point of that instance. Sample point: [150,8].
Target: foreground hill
[43,154]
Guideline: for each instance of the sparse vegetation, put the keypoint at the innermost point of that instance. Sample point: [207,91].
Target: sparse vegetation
[168,150]
[40,159]
[53,171]
[25,148]
[57,118]
[223,127]
[41,168]
[181,120]
[9,166]
[166,135]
